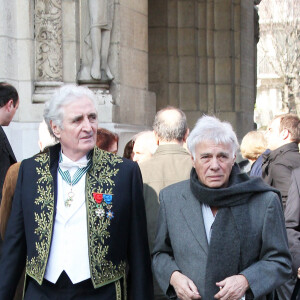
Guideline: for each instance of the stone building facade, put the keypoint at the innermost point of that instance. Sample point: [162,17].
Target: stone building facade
[198,55]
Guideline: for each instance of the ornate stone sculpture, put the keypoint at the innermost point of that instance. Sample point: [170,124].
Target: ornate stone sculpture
[97,20]
[48,40]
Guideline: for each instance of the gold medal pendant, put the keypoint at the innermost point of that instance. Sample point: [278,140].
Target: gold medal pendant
[69,200]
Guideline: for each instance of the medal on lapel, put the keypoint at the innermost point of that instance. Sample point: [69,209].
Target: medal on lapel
[101,205]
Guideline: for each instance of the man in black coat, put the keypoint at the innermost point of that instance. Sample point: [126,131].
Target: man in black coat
[9,102]
[283,136]
[78,220]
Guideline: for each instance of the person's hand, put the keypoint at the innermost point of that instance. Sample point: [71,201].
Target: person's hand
[232,288]
[184,287]
[298,273]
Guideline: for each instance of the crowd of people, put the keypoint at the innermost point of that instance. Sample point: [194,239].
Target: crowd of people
[177,217]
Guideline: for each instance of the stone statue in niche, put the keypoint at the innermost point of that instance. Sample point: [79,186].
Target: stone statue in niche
[96,25]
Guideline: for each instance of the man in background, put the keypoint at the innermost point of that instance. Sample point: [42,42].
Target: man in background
[170,164]
[144,146]
[9,102]
[283,136]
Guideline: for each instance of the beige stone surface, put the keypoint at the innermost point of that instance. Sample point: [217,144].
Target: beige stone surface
[173,65]
[210,70]
[223,70]
[211,95]
[222,45]
[186,41]
[126,26]
[158,38]
[140,32]
[133,68]
[187,69]
[202,16]
[188,95]
[186,13]
[203,97]
[161,89]
[69,20]
[224,98]
[202,42]
[202,70]
[158,12]
[172,13]
[222,15]
[159,72]
[174,94]
[172,41]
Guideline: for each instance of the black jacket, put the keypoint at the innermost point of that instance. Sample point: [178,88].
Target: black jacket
[277,168]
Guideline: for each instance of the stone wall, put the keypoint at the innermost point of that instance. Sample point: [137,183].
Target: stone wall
[40,44]
[201,58]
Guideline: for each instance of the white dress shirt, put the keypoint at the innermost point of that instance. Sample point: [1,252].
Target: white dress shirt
[208,219]
[69,245]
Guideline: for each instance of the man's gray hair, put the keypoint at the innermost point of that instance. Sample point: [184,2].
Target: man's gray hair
[170,129]
[54,108]
[212,129]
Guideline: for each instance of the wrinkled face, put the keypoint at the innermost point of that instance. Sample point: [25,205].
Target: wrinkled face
[79,133]
[273,135]
[213,163]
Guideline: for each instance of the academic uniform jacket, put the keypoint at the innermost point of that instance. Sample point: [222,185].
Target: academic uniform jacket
[7,158]
[117,236]
[181,242]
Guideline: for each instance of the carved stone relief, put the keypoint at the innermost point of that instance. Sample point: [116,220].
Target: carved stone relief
[48,38]
[48,47]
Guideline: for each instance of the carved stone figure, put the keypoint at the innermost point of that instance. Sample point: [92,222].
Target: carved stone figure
[97,19]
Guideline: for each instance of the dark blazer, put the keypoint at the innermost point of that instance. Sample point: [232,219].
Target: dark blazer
[181,242]
[7,158]
[278,166]
[118,247]
[292,219]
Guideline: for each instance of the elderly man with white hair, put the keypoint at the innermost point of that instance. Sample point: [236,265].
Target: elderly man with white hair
[78,218]
[220,234]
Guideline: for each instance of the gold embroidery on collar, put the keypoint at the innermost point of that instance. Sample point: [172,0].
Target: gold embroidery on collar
[100,179]
[36,266]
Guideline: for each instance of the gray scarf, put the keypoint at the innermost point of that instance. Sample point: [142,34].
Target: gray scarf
[225,251]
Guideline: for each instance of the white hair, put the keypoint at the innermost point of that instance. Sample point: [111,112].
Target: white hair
[212,129]
[148,140]
[54,108]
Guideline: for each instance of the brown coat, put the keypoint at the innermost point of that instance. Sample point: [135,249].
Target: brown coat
[170,164]
[8,191]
